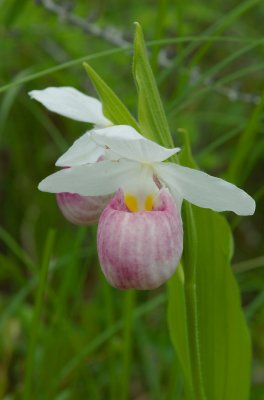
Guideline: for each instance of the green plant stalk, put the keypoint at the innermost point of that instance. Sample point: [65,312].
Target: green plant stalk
[37,314]
[175,381]
[129,304]
[189,262]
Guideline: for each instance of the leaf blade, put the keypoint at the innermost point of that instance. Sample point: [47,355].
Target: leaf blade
[113,107]
[151,114]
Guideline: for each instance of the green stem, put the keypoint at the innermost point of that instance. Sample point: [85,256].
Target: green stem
[190,253]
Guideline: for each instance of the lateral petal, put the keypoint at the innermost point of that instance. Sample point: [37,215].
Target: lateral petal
[205,190]
[83,151]
[96,179]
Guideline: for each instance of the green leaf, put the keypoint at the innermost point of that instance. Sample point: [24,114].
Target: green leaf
[178,326]
[113,108]
[221,331]
[206,322]
[151,115]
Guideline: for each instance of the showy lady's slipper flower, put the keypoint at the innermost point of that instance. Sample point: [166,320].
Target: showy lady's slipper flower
[71,103]
[136,167]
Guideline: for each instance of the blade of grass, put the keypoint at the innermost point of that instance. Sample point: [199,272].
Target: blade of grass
[222,24]
[20,296]
[101,339]
[47,123]
[16,249]
[159,29]
[8,101]
[65,65]
[178,104]
[246,142]
[248,265]
[109,320]
[219,142]
[129,303]
[109,52]
[255,305]
[216,27]
[37,314]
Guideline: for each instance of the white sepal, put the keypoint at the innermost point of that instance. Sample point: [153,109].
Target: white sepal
[71,103]
[128,143]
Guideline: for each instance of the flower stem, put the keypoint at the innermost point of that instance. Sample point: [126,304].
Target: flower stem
[190,256]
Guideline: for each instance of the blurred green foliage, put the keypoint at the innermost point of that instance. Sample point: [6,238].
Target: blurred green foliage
[65,335]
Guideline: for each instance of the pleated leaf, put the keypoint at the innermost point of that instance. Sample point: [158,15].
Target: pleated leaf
[151,115]
[206,321]
[113,108]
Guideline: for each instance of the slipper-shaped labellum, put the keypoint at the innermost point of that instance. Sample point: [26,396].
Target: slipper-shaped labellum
[140,249]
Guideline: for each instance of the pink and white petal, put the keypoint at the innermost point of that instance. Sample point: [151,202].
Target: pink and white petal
[139,249]
[71,103]
[83,151]
[205,190]
[82,210]
[96,179]
[128,143]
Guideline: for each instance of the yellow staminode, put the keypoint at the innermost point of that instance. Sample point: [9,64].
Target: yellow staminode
[132,203]
[149,202]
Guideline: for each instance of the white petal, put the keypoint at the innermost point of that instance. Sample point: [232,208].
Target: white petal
[71,103]
[204,190]
[83,151]
[128,143]
[97,179]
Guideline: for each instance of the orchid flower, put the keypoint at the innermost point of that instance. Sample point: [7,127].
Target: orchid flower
[71,103]
[135,165]
[145,211]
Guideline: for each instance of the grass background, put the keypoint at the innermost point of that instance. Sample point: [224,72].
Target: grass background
[65,334]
